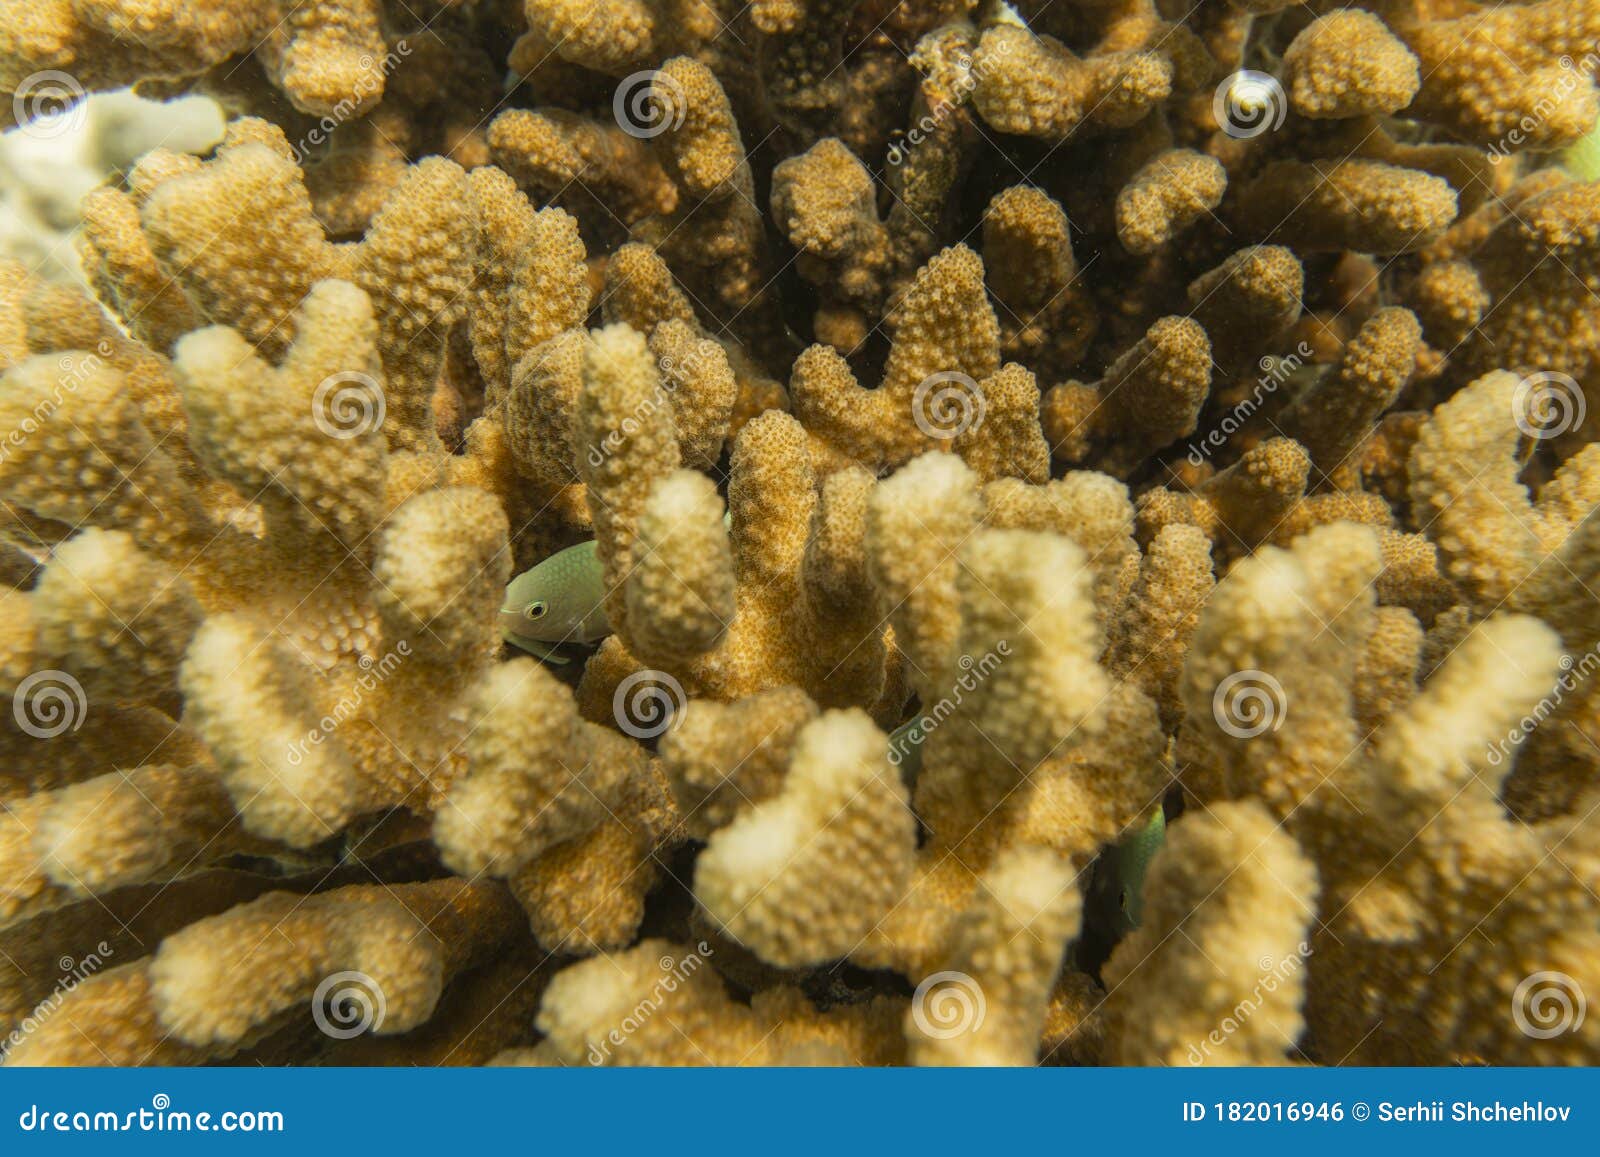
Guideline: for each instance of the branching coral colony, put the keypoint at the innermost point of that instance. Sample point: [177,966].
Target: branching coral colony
[1163,409]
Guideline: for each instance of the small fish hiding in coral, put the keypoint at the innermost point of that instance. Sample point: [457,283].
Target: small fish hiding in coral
[1133,861]
[1278,507]
[560,600]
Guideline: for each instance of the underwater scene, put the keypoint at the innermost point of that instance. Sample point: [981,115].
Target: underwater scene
[799,533]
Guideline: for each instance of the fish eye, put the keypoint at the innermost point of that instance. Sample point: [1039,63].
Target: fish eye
[535,610]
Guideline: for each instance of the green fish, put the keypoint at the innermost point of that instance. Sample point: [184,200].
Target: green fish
[562,600]
[1131,860]
[1582,160]
[905,748]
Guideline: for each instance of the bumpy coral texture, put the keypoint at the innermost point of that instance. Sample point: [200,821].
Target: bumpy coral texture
[998,427]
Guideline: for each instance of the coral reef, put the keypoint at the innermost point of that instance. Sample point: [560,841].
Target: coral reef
[997,433]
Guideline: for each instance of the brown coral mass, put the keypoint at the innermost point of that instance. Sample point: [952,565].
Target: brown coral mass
[992,429]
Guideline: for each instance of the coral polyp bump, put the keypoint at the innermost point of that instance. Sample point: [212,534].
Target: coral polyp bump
[1178,433]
